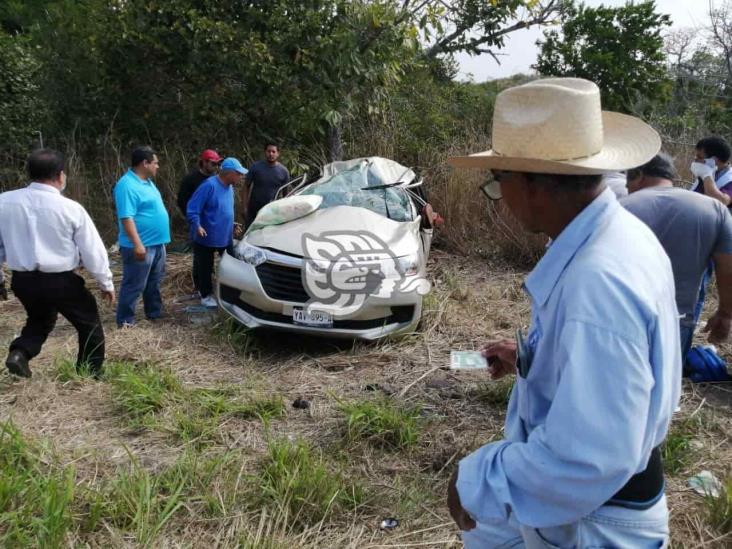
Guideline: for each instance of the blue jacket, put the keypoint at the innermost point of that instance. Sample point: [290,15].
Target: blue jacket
[212,207]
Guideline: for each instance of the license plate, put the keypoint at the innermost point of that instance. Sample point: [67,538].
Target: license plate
[312,318]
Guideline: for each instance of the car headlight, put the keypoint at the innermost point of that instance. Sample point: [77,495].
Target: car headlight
[249,254]
[409,264]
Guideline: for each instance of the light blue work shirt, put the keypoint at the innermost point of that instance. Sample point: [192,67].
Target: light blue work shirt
[604,381]
[140,200]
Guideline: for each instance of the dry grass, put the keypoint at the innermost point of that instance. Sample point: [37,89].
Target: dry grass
[194,502]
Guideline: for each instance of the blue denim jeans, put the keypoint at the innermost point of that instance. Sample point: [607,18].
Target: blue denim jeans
[686,331]
[608,526]
[141,277]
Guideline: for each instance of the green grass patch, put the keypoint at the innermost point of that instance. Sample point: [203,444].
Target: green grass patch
[67,372]
[227,401]
[233,333]
[41,505]
[195,428]
[719,509]
[198,418]
[35,493]
[676,451]
[136,500]
[297,482]
[381,422]
[142,390]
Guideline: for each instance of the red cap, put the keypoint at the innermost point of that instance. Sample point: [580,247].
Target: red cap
[211,155]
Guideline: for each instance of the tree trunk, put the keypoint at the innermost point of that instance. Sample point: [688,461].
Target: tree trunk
[335,143]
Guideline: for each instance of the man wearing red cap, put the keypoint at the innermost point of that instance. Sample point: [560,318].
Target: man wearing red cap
[208,165]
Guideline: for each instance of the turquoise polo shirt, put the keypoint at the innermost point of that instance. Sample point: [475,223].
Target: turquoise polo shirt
[140,200]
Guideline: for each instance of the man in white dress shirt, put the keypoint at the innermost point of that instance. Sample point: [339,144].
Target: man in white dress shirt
[43,238]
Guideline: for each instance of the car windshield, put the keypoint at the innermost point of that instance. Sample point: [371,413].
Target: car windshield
[346,188]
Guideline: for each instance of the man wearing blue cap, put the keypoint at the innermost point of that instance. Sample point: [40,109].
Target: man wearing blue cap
[210,215]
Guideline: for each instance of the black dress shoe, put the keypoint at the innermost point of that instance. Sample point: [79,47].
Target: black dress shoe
[17,363]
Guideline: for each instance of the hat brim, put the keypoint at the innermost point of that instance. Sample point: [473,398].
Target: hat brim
[628,143]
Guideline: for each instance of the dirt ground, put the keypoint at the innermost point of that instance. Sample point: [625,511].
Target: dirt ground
[471,302]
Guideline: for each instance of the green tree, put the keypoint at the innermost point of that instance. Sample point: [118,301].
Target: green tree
[22,112]
[621,49]
[219,72]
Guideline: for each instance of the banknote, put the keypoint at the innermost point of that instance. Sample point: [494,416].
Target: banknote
[467,360]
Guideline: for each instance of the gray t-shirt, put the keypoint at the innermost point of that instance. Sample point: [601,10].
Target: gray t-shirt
[265,181]
[690,227]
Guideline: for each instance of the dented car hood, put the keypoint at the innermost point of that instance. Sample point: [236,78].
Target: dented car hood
[401,238]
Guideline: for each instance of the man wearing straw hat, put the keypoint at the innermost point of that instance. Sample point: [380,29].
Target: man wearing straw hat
[598,371]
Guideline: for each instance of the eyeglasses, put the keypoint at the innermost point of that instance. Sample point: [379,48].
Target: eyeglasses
[492,187]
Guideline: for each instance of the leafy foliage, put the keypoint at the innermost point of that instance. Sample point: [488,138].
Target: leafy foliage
[621,49]
[22,111]
[298,72]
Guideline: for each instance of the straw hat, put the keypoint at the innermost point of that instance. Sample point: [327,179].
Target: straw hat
[556,125]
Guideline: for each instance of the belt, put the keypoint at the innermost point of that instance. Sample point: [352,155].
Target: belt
[644,489]
[42,273]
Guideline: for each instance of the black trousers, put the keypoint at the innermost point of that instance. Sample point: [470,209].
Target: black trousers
[203,264]
[44,295]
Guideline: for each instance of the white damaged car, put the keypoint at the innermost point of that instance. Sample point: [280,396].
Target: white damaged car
[344,256]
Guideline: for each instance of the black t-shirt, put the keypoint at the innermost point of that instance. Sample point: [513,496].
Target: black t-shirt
[264,181]
[188,186]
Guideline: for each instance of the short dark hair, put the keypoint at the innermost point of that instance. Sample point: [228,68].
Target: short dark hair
[564,183]
[140,154]
[45,164]
[269,144]
[661,165]
[715,146]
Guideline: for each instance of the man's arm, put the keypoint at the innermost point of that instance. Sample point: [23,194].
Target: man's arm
[126,204]
[93,254]
[128,225]
[196,205]
[710,189]
[569,464]
[720,323]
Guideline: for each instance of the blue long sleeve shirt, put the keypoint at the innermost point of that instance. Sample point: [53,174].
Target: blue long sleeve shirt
[212,207]
[603,383]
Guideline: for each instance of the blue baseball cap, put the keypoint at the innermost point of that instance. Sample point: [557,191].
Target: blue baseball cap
[232,163]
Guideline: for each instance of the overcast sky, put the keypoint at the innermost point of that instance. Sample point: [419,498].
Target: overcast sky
[521,51]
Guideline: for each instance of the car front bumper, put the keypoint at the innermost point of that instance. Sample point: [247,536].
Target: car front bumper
[242,296]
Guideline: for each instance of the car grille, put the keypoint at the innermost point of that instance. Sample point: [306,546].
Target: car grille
[399,314]
[282,283]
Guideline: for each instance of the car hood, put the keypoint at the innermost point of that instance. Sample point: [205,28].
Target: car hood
[401,238]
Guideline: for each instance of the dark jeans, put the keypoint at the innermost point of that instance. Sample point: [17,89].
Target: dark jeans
[203,264]
[686,331]
[141,278]
[44,295]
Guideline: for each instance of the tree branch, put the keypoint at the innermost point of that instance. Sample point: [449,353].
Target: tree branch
[446,44]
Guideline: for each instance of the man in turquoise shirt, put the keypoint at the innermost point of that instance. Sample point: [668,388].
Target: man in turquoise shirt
[144,230]
[598,372]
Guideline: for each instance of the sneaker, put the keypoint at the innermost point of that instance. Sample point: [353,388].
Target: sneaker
[17,363]
[209,301]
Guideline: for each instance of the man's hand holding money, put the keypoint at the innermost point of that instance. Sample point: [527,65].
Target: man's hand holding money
[501,357]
